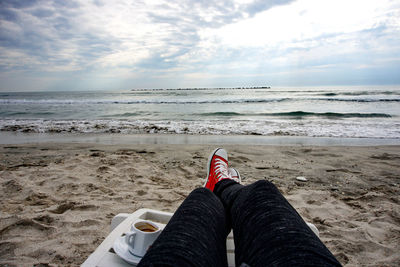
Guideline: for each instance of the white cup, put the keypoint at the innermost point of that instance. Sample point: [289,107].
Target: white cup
[142,235]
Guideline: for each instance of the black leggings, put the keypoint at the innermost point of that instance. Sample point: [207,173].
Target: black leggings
[267,230]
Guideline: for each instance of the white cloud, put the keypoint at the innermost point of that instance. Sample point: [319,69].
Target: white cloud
[291,25]
[308,36]
[193,40]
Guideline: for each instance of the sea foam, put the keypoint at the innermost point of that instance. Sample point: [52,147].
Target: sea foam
[311,128]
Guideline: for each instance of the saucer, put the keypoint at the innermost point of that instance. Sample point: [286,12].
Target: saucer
[121,248]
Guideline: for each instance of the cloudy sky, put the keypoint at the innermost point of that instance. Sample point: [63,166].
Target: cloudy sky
[126,44]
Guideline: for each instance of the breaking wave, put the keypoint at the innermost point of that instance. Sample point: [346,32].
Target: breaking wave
[313,128]
[300,114]
[184,102]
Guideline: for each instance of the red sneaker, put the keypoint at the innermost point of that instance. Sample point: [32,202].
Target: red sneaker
[217,168]
[235,175]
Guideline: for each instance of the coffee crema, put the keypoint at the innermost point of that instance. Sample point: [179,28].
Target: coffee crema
[146,227]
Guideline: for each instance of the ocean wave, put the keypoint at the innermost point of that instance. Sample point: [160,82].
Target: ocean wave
[230,114]
[330,114]
[313,128]
[361,93]
[185,102]
[126,114]
[365,100]
[130,102]
[27,113]
[299,114]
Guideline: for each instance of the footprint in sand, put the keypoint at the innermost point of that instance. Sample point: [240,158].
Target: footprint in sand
[385,156]
[125,152]
[44,219]
[108,161]
[96,153]
[7,250]
[12,186]
[60,209]
[187,173]
[38,199]
[141,192]
[69,187]
[26,228]
[103,169]
[239,159]
[91,187]
[87,222]
[86,207]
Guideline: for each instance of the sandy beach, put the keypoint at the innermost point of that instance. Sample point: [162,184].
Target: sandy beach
[57,199]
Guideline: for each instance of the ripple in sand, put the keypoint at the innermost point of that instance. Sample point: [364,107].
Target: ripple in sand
[12,186]
[60,209]
[38,199]
[26,228]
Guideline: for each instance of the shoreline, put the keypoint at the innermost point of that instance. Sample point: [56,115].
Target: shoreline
[186,139]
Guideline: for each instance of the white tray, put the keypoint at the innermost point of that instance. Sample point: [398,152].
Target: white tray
[104,255]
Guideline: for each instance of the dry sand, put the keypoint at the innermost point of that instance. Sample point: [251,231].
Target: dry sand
[57,200]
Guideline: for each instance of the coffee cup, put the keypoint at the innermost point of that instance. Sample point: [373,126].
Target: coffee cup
[141,236]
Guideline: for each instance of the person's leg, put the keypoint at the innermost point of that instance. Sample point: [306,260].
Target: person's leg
[267,229]
[195,235]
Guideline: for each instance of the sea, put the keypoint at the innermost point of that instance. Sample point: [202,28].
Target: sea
[346,111]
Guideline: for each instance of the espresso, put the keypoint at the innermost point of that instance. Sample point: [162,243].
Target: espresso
[148,230]
[146,227]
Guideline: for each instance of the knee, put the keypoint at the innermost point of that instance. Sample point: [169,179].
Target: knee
[201,190]
[204,197]
[264,185]
[202,193]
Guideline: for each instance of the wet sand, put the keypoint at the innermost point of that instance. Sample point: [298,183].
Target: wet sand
[57,199]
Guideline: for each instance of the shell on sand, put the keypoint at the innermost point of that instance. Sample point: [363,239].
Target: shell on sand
[301,179]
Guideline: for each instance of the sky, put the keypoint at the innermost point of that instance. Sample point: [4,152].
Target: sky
[122,45]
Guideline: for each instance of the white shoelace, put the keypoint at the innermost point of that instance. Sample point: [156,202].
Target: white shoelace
[221,169]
